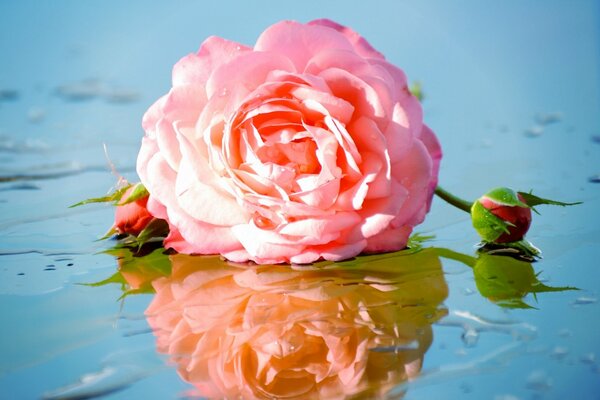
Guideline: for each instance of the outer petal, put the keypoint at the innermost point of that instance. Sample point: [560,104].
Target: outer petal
[360,44]
[196,68]
[300,42]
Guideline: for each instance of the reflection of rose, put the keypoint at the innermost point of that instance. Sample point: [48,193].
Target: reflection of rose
[307,146]
[276,332]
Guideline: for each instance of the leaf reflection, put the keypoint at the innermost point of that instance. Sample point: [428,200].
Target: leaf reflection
[349,329]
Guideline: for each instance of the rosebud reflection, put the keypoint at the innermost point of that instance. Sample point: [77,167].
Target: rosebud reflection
[350,328]
[502,279]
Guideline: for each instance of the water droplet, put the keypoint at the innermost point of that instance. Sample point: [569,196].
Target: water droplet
[548,118]
[565,333]
[538,381]
[589,358]
[238,47]
[505,397]
[559,352]
[223,92]
[534,131]
[594,178]
[36,115]
[585,300]
[467,291]
[470,337]
[263,222]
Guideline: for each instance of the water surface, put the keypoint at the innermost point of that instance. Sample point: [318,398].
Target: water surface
[512,91]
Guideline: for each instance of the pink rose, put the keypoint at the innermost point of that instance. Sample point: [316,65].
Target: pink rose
[308,146]
[133,217]
[264,332]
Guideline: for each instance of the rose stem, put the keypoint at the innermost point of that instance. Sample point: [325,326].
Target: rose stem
[452,199]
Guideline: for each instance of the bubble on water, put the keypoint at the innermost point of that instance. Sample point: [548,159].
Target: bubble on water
[539,381]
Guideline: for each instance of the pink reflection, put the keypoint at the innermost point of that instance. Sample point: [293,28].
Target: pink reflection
[264,332]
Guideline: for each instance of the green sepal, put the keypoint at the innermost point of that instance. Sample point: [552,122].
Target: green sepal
[139,192]
[114,197]
[489,226]
[111,232]
[533,201]
[506,197]
[157,228]
[416,240]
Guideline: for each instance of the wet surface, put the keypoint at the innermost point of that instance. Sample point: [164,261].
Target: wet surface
[515,105]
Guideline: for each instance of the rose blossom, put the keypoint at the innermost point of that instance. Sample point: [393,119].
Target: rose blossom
[308,146]
[132,218]
[274,332]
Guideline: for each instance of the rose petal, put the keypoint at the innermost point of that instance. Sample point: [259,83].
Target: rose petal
[361,45]
[300,42]
[196,68]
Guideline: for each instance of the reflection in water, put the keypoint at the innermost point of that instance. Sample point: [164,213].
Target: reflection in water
[503,280]
[355,328]
[273,331]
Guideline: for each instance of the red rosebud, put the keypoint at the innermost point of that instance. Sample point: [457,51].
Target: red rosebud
[132,218]
[508,206]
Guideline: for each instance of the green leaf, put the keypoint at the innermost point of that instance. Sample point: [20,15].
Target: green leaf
[139,192]
[114,198]
[533,201]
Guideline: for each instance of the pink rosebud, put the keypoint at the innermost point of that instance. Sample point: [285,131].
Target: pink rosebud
[133,217]
[512,212]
